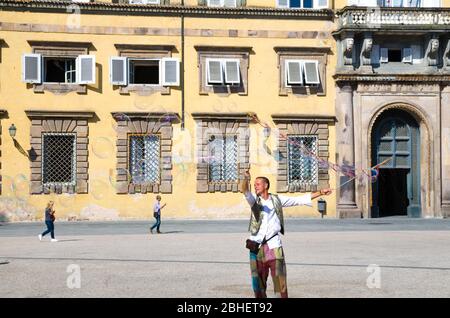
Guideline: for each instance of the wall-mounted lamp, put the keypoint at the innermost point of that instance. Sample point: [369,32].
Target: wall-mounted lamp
[12,131]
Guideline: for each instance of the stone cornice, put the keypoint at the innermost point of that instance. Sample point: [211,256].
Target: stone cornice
[225,116]
[315,49]
[221,48]
[59,114]
[169,10]
[150,47]
[163,116]
[303,118]
[391,78]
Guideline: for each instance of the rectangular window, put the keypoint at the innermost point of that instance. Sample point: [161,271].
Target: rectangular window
[223,158]
[394,55]
[144,1]
[59,70]
[141,71]
[144,161]
[400,3]
[302,4]
[58,159]
[302,72]
[223,71]
[144,71]
[222,3]
[302,162]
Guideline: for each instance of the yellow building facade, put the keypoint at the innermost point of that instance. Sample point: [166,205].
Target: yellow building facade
[113,103]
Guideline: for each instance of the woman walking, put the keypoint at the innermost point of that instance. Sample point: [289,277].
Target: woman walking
[49,221]
[157,214]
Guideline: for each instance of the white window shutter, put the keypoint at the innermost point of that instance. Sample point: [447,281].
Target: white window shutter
[153,1]
[170,72]
[229,3]
[282,3]
[215,3]
[85,69]
[320,4]
[416,54]
[118,70]
[294,72]
[214,71]
[32,68]
[311,69]
[431,3]
[232,73]
[407,55]
[384,55]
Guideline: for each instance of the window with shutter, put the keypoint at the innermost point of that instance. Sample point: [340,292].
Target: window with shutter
[60,70]
[214,71]
[171,72]
[283,3]
[407,55]
[118,70]
[215,3]
[375,56]
[230,3]
[294,72]
[311,69]
[232,73]
[144,71]
[31,68]
[85,69]
[384,55]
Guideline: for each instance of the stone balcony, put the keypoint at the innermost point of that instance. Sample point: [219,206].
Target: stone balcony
[394,18]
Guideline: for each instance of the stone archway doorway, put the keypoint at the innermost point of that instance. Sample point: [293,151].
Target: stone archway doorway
[396,136]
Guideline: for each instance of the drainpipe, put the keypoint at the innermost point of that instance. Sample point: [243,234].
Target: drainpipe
[182,68]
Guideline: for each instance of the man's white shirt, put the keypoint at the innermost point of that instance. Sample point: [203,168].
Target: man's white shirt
[270,224]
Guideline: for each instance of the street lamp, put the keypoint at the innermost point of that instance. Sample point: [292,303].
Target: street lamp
[12,131]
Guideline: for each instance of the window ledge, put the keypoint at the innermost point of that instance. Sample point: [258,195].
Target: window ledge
[144,89]
[59,88]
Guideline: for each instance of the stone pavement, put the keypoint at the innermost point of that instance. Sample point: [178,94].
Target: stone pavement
[325,258]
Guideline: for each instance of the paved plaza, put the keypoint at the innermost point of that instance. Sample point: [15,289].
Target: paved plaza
[389,257]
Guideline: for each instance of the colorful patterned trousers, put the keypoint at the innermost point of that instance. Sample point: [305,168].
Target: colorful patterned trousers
[268,260]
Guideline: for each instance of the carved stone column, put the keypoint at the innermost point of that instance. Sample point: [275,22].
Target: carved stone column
[445,151]
[346,206]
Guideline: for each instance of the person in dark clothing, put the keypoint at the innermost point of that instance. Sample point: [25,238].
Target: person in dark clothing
[49,221]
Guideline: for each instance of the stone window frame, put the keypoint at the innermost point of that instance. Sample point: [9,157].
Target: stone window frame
[144,52]
[223,52]
[132,123]
[59,122]
[319,54]
[60,49]
[315,125]
[225,124]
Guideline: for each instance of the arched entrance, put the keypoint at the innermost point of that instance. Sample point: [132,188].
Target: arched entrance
[396,136]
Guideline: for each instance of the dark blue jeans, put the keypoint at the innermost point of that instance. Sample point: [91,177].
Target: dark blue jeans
[50,229]
[158,223]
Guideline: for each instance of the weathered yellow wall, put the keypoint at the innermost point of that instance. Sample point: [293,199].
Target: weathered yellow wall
[184,202]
